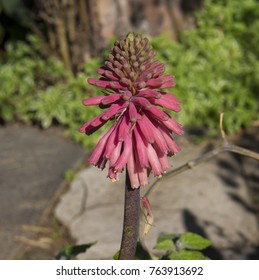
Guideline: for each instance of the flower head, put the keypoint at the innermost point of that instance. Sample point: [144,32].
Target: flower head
[140,138]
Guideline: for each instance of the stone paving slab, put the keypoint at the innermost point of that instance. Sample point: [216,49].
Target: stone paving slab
[211,200]
[32,166]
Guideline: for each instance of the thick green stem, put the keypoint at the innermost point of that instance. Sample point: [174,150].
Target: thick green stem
[131,222]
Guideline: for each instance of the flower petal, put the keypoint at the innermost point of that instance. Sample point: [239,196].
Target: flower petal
[141,102]
[167,102]
[115,154]
[149,93]
[98,151]
[133,114]
[145,128]
[124,127]
[140,148]
[133,175]
[112,142]
[157,113]
[92,125]
[174,126]
[173,147]
[96,100]
[154,161]
[127,151]
[157,136]
[115,109]
[110,98]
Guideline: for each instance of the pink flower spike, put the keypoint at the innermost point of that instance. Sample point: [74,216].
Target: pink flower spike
[127,150]
[140,135]
[96,100]
[110,98]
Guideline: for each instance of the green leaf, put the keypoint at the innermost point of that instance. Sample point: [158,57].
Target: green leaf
[166,244]
[71,251]
[165,236]
[116,255]
[187,255]
[193,241]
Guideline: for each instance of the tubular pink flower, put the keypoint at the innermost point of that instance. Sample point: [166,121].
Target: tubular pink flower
[132,170]
[124,157]
[93,100]
[98,151]
[154,161]
[140,137]
[141,149]
[157,113]
[133,113]
[111,98]
[146,129]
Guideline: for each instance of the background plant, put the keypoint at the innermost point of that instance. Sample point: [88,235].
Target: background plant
[216,67]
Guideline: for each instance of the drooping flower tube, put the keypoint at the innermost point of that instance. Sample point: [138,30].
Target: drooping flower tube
[140,138]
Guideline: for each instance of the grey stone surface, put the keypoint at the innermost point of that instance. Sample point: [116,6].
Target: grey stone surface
[211,200]
[32,166]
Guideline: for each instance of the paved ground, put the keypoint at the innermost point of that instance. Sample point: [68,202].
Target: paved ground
[32,166]
[213,200]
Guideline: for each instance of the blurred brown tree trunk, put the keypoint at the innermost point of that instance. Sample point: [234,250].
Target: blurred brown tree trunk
[79,29]
[72,28]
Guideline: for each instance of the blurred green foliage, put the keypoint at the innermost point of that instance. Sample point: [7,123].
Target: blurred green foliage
[216,67]
[39,90]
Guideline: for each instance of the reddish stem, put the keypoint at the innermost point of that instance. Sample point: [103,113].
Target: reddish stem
[131,222]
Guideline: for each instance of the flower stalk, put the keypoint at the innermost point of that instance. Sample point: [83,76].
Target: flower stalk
[131,222]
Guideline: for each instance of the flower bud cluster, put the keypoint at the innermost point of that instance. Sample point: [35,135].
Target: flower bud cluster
[140,138]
